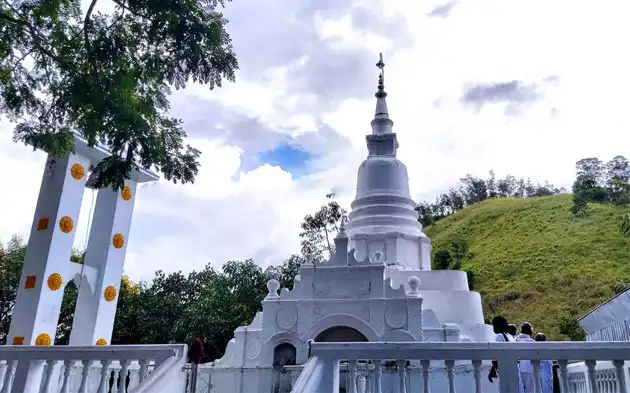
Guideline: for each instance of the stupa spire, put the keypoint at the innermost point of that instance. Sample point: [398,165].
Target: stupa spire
[381,123]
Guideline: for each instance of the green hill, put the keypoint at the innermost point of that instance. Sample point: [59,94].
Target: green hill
[534,261]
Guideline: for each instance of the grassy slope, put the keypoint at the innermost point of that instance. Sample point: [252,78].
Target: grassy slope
[533,261]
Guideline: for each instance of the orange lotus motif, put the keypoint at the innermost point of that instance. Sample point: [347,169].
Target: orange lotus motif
[118,240]
[110,293]
[126,193]
[43,340]
[42,224]
[101,341]
[66,224]
[54,281]
[18,340]
[77,171]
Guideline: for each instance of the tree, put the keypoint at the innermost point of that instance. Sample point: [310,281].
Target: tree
[569,327]
[580,206]
[108,77]
[592,168]
[319,229]
[11,261]
[442,259]
[618,169]
[286,273]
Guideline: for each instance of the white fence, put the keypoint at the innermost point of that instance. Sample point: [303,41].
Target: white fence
[322,372]
[106,369]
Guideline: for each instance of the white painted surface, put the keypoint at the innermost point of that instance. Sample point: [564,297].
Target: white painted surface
[151,368]
[378,282]
[609,321]
[94,315]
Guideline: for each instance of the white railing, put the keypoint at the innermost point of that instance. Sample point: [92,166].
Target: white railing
[606,377]
[98,369]
[322,373]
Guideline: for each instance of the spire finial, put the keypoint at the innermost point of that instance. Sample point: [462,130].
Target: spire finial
[381,77]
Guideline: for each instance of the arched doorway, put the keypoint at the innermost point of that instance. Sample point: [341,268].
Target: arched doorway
[284,355]
[340,334]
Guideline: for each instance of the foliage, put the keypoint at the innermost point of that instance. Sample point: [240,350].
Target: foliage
[476,189]
[108,77]
[319,229]
[533,260]
[597,182]
[569,327]
[11,260]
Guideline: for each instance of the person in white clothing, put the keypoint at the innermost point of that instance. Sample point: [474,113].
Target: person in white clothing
[525,366]
[546,369]
[501,331]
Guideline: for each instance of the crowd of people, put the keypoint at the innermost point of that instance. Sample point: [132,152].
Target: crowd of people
[506,332]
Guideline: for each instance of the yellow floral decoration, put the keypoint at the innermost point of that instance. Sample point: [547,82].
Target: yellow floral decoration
[126,193]
[54,281]
[110,293]
[42,224]
[101,341]
[66,224]
[77,171]
[42,340]
[118,240]
[18,340]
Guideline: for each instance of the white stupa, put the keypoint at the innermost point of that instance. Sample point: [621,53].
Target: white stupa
[378,286]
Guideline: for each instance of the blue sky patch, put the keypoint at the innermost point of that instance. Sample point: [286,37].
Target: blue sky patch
[290,158]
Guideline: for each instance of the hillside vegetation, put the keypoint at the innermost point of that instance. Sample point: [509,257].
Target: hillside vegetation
[532,260]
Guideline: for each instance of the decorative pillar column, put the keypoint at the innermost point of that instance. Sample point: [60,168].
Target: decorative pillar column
[47,260]
[98,297]
[46,267]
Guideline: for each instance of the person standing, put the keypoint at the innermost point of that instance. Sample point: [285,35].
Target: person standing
[525,366]
[512,330]
[501,330]
[546,369]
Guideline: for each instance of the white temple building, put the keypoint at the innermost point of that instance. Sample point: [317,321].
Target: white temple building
[378,285]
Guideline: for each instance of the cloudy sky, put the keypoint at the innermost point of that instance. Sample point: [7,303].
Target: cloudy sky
[521,87]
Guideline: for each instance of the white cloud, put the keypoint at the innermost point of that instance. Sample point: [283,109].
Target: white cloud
[230,215]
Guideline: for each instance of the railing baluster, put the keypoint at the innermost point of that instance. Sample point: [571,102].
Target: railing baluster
[402,374]
[134,378]
[450,375]
[122,385]
[103,383]
[85,373]
[352,376]
[50,369]
[3,370]
[361,383]
[563,375]
[67,370]
[592,376]
[620,374]
[144,369]
[537,382]
[477,375]
[378,377]
[426,376]
[8,376]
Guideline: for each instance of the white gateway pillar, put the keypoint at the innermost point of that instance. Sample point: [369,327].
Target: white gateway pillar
[47,261]
[47,266]
[106,249]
